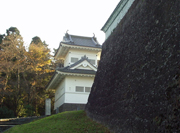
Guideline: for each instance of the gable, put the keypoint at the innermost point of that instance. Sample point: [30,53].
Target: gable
[84,65]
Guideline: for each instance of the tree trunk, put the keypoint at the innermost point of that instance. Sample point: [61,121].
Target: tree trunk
[4,88]
[28,89]
[18,78]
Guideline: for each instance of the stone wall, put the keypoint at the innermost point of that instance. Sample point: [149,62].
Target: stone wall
[136,88]
[70,107]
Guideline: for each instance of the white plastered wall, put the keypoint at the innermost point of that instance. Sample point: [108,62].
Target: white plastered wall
[66,60]
[59,94]
[98,55]
[85,68]
[78,54]
[71,96]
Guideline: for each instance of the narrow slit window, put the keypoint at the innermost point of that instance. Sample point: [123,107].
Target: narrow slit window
[87,89]
[79,89]
[73,60]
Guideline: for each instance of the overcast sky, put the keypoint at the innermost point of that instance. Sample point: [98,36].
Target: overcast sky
[50,19]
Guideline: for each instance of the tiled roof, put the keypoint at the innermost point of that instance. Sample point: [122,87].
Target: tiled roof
[50,80]
[114,14]
[73,40]
[79,71]
[67,69]
[81,60]
[81,41]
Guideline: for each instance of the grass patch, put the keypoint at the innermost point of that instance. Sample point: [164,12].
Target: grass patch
[66,122]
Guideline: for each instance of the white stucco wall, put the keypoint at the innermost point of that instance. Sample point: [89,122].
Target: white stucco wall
[71,96]
[78,54]
[66,93]
[85,68]
[66,60]
[122,13]
[98,55]
[59,95]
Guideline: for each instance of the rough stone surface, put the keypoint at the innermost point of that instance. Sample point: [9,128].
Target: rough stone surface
[71,107]
[137,85]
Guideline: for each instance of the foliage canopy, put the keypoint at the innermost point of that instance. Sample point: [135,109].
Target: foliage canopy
[24,74]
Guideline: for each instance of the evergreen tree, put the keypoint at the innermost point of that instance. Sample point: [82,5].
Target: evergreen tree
[36,40]
[23,75]
[39,60]
[11,65]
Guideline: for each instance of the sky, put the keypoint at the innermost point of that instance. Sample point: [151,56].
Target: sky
[50,19]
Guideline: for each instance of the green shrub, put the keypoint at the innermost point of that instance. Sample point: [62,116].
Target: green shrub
[29,110]
[6,113]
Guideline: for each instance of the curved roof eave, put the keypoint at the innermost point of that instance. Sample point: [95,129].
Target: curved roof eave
[114,14]
[74,45]
[65,44]
[76,72]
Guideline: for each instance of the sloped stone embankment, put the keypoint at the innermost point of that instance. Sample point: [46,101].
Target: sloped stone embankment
[136,88]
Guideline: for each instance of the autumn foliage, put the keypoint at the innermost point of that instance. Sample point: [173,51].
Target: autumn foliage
[24,72]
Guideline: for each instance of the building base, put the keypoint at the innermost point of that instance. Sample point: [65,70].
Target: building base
[69,107]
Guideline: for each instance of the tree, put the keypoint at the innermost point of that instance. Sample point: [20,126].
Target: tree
[1,39]
[39,60]
[11,54]
[12,30]
[24,74]
[36,40]
[11,64]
